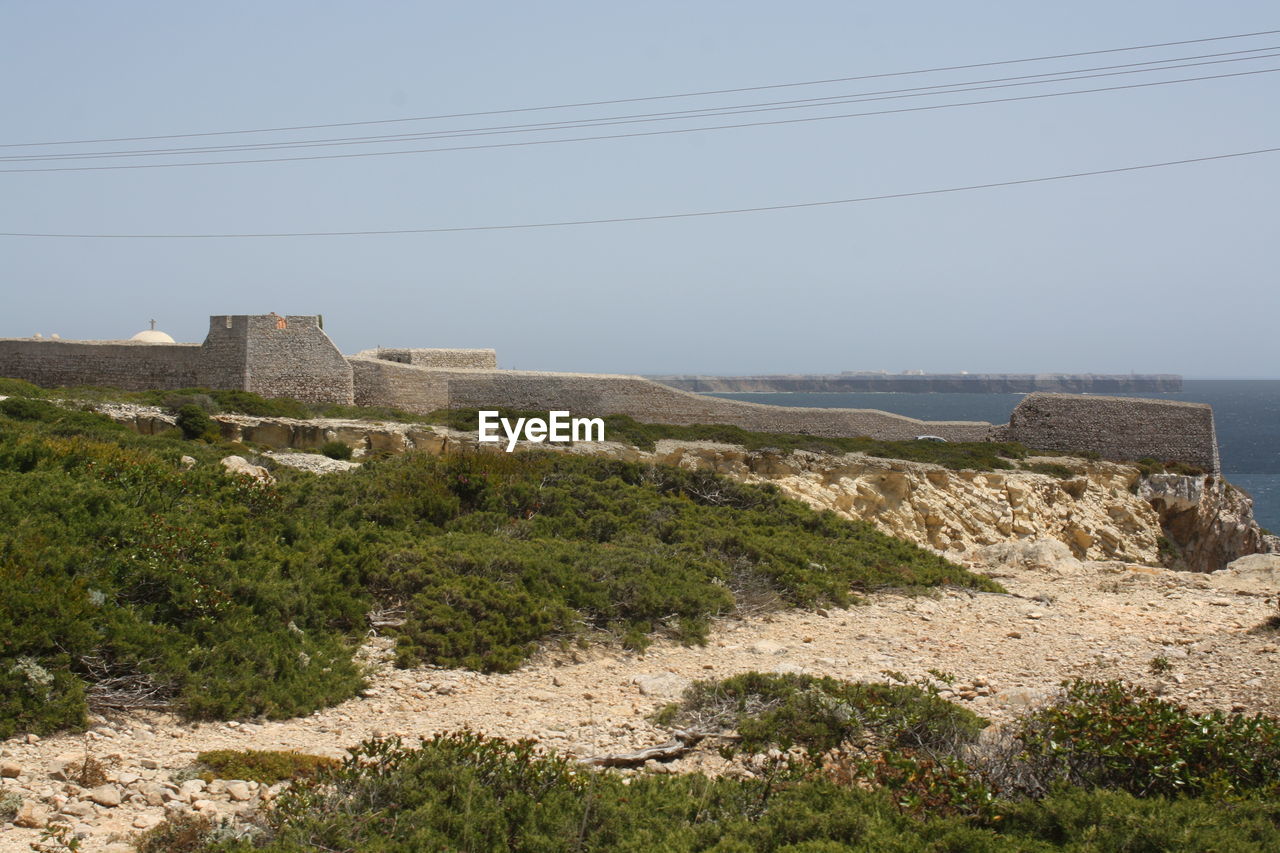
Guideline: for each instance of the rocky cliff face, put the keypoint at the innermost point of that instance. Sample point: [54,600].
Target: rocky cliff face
[1105,511]
[1095,513]
[1208,521]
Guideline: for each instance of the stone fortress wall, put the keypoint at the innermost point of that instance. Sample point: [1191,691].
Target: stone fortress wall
[1116,427]
[293,357]
[383,384]
[267,354]
[120,364]
[467,359]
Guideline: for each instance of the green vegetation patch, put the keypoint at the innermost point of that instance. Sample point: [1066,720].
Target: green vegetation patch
[1149,466]
[958,455]
[820,714]
[1112,735]
[463,791]
[128,581]
[265,766]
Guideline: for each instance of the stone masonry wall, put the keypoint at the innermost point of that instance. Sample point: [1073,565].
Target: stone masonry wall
[477,359]
[399,386]
[130,365]
[293,357]
[389,384]
[1117,427]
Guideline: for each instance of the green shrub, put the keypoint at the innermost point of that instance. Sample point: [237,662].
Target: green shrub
[29,409]
[467,792]
[38,700]
[1148,466]
[336,450]
[1084,820]
[175,402]
[263,766]
[19,388]
[195,422]
[1108,734]
[9,805]
[821,714]
[181,832]
[1051,469]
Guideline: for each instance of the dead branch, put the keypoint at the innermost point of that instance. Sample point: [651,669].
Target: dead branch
[684,743]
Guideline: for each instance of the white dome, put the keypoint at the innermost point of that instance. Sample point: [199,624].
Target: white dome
[152,336]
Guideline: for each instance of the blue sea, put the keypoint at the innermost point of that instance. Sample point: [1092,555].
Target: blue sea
[1246,413]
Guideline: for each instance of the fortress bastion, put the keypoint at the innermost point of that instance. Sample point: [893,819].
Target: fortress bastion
[291,356]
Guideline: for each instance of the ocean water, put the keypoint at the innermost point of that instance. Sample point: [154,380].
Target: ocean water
[1246,414]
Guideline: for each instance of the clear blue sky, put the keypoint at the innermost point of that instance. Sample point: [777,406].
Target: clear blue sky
[1164,270]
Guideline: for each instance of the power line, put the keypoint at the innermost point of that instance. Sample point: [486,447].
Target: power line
[638,134]
[665,216]
[649,97]
[706,112]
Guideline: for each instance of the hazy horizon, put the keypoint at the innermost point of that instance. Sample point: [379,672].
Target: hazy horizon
[1162,270]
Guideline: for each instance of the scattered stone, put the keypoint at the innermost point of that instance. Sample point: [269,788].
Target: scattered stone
[1258,573]
[77,808]
[147,821]
[10,770]
[192,787]
[149,764]
[768,647]
[105,795]
[31,815]
[238,791]
[243,467]
[664,684]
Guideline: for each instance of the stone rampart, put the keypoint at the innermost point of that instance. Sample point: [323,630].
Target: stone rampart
[398,386]
[270,355]
[1117,427]
[465,359]
[383,383]
[293,357]
[130,365]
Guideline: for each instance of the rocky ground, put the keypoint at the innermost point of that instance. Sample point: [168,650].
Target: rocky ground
[1062,618]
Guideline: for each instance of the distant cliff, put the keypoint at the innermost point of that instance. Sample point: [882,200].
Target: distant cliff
[975,383]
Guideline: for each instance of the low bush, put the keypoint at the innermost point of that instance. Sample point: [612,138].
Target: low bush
[195,422]
[1148,466]
[265,766]
[1107,734]
[336,450]
[30,409]
[182,832]
[19,388]
[9,805]
[820,713]
[463,791]
[1051,469]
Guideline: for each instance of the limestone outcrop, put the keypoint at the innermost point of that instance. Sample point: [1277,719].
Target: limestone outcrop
[1207,521]
[1096,514]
